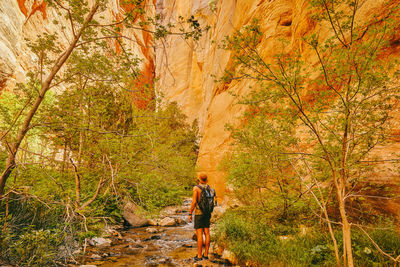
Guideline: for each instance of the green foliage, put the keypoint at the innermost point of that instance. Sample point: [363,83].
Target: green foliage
[31,233]
[5,240]
[262,241]
[312,128]
[36,247]
[148,157]
[259,167]
[98,138]
[155,192]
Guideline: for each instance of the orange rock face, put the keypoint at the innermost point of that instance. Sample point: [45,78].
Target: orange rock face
[187,69]
[25,19]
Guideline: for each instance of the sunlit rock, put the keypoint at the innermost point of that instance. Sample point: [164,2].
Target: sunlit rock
[131,217]
[168,221]
[229,256]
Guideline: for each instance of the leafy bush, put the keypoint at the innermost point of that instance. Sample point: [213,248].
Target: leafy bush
[252,237]
[154,192]
[36,247]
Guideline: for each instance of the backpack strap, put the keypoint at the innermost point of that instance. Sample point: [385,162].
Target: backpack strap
[198,186]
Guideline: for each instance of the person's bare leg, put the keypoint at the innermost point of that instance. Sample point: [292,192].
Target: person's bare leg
[207,241]
[199,233]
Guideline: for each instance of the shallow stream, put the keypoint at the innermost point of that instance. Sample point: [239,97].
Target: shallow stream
[152,246]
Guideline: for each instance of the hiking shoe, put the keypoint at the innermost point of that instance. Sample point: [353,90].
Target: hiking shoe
[197,258]
[204,257]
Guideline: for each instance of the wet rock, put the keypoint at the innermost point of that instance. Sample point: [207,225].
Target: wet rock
[117,234]
[217,250]
[129,240]
[136,246]
[100,241]
[152,230]
[181,210]
[95,257]
[187,201]
[229,256]
[180,221]
[168,221]
[113,230]
[115,254]
[164,260]
[153,222]
[154,237]
[188,245]
[156,260]
[131,217]
[133,251]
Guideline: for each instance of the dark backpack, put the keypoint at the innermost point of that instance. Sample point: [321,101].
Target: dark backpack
[206,202]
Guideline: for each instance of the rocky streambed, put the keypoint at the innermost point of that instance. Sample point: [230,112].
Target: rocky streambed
[157,245]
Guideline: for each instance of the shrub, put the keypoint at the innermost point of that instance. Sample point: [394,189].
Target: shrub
[252,236]
[35,248]
[153,193]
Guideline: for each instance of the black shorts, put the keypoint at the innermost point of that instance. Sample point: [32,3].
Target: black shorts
[202,221]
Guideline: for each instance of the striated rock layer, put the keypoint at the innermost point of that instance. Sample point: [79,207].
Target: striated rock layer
[25,19]
[187,69]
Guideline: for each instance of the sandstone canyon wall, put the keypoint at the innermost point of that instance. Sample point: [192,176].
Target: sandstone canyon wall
[25,19]
[187,69]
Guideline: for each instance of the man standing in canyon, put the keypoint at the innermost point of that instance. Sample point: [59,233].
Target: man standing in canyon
[202,205]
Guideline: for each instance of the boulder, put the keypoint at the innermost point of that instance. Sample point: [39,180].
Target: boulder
[218,213]
[95,257]
[100,241]
[188,245]
[180,221]
[194,237]
[131,216]
[168,221]
[229,256]
[153,222]
[152,230]
[164,260]
[154,237]
[216,249]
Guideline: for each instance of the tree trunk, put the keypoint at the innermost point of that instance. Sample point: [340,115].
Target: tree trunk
[347,236]
[45,86]
[346,228]
[10,165]
[77,185]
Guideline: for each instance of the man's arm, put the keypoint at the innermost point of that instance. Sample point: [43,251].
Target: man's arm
[193,205]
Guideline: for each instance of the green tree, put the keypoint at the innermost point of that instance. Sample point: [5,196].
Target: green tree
[84,148]
[342,109]
[88,37]
[259,165]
